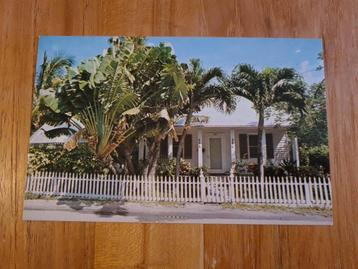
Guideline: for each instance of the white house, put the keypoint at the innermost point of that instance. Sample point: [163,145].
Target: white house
[218,146]
[217,141]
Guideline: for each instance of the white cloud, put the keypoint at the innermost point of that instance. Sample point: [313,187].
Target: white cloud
[304,66]
[170,45]
[297,51]
[309,72]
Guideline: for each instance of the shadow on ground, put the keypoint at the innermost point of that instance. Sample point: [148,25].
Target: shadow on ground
[110,210]
[107,210]
[74,204]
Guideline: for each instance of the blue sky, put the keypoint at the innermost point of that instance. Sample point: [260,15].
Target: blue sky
[300,54]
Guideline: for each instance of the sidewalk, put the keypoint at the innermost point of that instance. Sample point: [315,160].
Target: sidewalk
[89,211]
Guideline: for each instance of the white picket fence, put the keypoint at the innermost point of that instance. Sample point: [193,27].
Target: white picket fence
[296,191]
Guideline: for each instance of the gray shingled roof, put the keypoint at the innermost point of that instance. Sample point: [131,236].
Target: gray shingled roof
[39,136]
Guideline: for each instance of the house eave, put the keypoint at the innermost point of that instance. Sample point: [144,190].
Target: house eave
[231,126]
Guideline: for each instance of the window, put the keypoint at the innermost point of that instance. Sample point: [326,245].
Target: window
[248,146]
[253,150]
[187,149]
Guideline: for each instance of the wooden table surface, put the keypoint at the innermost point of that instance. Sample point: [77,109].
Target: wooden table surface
[83,245]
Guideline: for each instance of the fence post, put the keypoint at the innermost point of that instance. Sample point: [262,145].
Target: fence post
[202,184]
[308,191]
[232,194]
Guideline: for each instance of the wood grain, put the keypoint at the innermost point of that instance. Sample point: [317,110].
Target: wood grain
[81,245]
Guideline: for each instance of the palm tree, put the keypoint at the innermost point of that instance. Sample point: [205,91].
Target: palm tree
[50,69]
[49,77]
[204,92]
[277,88]
[163,102]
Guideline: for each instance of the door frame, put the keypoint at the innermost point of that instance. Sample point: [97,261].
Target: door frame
[207,152]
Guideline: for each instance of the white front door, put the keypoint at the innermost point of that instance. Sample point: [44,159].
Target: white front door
[215,154]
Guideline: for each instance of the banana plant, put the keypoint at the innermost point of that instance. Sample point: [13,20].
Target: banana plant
[99,95]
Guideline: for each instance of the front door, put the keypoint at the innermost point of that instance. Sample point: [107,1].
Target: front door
[215,154]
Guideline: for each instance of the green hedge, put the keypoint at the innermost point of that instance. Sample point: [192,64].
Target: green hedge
[56,158]
[167,168]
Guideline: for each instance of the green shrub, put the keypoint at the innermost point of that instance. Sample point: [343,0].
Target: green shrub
[167,167]
[310,171]
[317,157]
[269,170]
[285,168]
[56,158]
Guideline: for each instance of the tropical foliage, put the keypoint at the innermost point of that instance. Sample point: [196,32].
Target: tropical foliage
[56,158]
[204,92]
[272,88]
[48,79]
[311,131]
[132,89]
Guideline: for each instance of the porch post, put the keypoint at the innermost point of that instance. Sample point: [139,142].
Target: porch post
[141,150]
[295,152]
[170,147]
[200,148]
[264,152]
[233,147]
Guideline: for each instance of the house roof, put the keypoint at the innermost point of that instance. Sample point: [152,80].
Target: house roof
[39,136]
[243,116]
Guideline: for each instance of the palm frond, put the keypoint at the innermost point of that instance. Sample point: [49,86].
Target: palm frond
[211,74]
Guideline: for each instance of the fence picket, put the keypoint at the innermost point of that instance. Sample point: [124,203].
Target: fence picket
[244,193]
[320,191]
[325,186]
[315,196]
[292,190]
[329,191]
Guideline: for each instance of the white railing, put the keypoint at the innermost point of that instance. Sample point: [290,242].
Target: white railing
[296,191]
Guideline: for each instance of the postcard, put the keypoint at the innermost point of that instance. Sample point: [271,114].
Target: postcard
[179,130]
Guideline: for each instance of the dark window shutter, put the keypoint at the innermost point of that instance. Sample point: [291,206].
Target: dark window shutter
[164,148]
[269,146]
[188,146]
[243,146]
[175,146]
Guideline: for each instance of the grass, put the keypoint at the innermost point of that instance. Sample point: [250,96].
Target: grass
[326,212]
[162,203]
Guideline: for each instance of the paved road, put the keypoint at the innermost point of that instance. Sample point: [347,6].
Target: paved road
[66,210]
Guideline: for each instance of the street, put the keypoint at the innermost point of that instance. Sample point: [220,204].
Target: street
[89,211]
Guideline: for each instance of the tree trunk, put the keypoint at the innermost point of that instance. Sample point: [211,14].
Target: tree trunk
[128,157]
[153,156]
[108,162]
[181,142]
[260,157]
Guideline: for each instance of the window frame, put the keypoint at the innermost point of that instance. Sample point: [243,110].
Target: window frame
[248,146]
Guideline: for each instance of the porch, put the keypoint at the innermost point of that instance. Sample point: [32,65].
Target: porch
[219,147]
